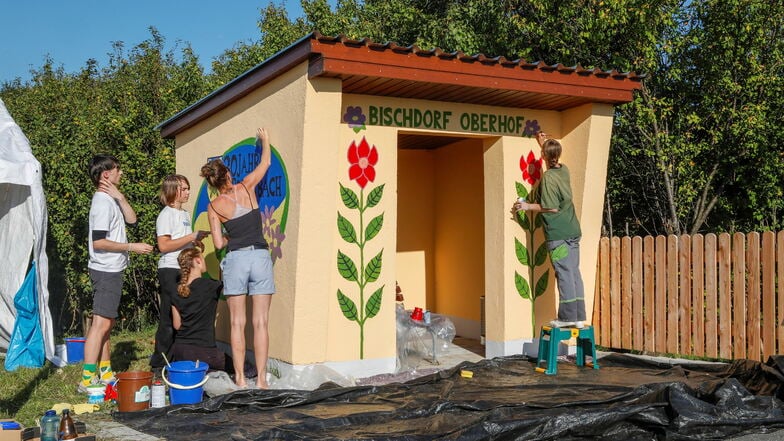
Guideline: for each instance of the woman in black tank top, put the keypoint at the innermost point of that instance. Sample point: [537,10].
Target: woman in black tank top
[236,209]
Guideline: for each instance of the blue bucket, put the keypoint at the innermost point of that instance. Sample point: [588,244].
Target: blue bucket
[74,349]
[185,381]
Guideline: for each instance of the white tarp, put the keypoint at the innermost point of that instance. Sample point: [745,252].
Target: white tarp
[23,221]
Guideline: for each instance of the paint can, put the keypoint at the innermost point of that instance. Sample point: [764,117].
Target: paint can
[95,393]
[158,395]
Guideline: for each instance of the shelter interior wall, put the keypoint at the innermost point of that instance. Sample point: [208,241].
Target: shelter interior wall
[459,232]
[416,224]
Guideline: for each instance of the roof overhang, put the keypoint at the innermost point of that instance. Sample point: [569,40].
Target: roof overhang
[369,68]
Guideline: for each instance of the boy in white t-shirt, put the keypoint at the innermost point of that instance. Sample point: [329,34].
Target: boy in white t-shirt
[109,248]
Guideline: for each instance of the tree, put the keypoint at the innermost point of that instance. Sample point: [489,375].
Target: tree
[70,117]
[702,140]
[699,148]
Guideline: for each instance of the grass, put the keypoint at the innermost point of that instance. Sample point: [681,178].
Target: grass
[26,394]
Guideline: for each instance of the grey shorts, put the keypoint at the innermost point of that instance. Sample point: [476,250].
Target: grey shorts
[247,272]
[107,290]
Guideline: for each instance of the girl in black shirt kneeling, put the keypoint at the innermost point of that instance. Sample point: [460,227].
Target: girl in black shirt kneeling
[193,313]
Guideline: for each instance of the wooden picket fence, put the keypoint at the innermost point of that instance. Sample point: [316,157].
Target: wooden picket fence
[716,296]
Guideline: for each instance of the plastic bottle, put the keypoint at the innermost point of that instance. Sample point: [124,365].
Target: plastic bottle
[67,428]
[50,422]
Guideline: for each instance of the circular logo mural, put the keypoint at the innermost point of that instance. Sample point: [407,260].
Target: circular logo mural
[272,194]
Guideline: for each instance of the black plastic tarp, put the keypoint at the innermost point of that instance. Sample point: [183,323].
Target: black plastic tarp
[628,398]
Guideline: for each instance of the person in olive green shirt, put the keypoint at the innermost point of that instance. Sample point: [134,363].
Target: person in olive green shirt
[562,232]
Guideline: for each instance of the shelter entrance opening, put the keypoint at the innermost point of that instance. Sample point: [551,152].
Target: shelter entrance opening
[440,227]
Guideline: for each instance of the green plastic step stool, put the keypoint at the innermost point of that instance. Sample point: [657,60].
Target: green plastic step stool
[550,338]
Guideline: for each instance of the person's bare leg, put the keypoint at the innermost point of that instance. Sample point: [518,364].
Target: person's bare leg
[106,349]
[261,307]
[97,341]
[237,317]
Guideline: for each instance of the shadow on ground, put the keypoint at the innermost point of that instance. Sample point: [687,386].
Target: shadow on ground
[12,404]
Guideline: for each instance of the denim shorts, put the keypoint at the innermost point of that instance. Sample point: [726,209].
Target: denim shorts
[247,272]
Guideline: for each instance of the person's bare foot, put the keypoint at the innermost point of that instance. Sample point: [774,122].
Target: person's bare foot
[262,385]
[240,382]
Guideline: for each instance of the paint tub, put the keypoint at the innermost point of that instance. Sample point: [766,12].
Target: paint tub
[95,393]
[74,349]
[133,390]
[185,381]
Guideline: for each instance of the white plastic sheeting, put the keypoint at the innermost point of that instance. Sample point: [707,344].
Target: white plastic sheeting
[23,221]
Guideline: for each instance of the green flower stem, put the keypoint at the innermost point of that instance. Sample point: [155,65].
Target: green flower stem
[531,263]
[361,281]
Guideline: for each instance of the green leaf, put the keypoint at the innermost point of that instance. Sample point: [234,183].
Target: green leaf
[522,217]
[346,230]
[522,252]
[374,227]
[348,307]
[537,221]
[541,254]
[375,196]
[350,199]
[373,269]
[559,252]
[541,284]
[347,268]
[374,303]
[522,192]
[522,286]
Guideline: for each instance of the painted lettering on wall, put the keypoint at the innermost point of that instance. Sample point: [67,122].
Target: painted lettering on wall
[408,117]
[434,119]
[271,193]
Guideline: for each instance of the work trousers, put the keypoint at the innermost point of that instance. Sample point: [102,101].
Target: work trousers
[565,256]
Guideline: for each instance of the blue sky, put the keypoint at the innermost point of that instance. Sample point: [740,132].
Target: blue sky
[73,31]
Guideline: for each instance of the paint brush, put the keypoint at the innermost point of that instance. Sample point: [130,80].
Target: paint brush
[166,360]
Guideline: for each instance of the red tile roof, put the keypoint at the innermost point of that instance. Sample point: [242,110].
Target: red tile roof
[388,69]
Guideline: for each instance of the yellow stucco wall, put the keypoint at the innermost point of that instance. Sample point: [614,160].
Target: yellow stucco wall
[445,212]
[379,331]
[217,133]
[587,134]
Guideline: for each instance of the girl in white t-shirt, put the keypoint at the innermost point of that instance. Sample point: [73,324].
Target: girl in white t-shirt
[175,233]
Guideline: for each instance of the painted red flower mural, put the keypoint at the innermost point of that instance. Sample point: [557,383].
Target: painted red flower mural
[531,168]
[363,159]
